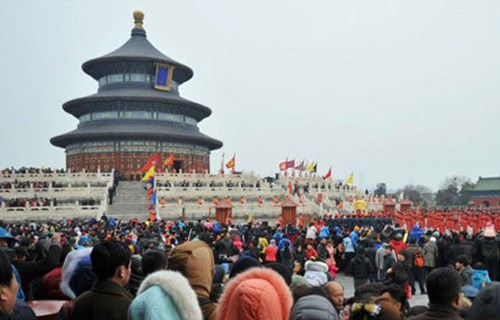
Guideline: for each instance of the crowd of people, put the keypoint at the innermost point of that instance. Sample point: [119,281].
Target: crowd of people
[30,170]
[27,202]
[109,269]
[26,184]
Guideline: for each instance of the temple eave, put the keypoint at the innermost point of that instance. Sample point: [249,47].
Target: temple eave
[81,106]
[64,140]
[102,66]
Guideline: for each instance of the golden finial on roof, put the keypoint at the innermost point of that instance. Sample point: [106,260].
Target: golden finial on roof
[138,18]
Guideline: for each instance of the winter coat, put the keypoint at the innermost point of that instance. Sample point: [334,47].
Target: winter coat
[195,261]
[286,258]
[256,294]
[466,275]
[21,312]
[324,233]
[398,245]
[311,253]
[486,305]
[30,270]
[77,275]
[271,253]
[489,248]
[389,261]
[165,295]
[379,258]
[349,246]
[50,289]
[313,307]
[263,243]
[322,252]
[316,273]
[354,238]
[430,254]
[416,233]
[311,233]
[437,312]
[281,243]
[105,301]
[360,267]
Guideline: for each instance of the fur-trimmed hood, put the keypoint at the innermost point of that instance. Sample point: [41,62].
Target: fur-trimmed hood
[165,295]
[256,294]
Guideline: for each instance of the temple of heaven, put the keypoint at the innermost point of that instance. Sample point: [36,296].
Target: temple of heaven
[136,112]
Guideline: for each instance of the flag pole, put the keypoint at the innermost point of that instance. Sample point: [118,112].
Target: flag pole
[156,198]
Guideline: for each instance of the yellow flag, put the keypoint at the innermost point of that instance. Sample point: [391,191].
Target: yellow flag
[350,180]
[310,167]
[150,173]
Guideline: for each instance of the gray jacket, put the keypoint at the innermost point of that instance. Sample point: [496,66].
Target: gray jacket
[430,254]
[379,258]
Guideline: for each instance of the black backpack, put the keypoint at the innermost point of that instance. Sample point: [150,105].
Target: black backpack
[489,249]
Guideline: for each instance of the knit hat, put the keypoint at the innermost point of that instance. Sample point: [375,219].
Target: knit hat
[242,264]
[470,291]
[256,294]
[283,271]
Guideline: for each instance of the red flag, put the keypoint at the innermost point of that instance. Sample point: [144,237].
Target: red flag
[328,174]
[283,165]
[153,160]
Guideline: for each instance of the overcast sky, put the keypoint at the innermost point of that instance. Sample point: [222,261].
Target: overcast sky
[394,91]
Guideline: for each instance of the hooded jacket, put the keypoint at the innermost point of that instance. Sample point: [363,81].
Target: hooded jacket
[313,307]
[165,295]
[315,274]
[416,233]
[195,261]
[256,294]
[74,283]
[486,306]
[479,277]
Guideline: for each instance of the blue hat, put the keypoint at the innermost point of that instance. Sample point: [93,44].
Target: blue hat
[470,291]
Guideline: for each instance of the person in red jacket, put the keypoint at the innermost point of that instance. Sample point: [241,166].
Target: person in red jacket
[397,243]
[50,289]
[271,252]
[311,253]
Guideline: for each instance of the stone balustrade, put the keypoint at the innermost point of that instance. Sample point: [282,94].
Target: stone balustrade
[57,193]
[194,211]
[69,177]
[206,178]
[13,214]
[221,192]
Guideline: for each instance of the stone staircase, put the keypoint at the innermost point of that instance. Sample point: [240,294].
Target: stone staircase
[131,201]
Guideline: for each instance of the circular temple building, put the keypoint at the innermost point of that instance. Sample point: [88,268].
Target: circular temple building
[136,112]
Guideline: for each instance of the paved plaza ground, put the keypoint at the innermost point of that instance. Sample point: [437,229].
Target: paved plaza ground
[348,284]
